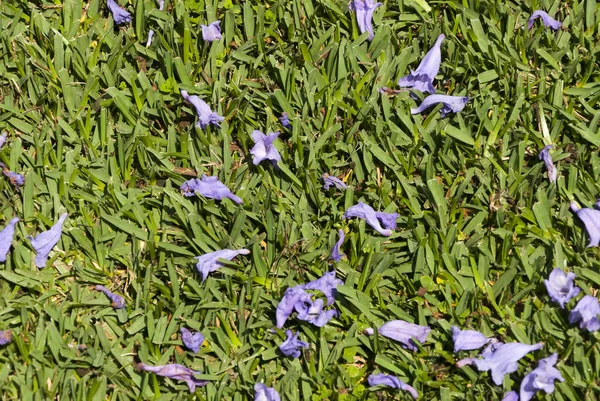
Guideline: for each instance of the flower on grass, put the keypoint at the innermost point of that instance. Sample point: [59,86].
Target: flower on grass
[586,313]
[330,180]
[465,340]
[6,336]
[313,312]
[264,148]
[548,21]
[422,78]
[44,242]
[403,332]
[212,31]
[392,381]
[3,138]
[452,104]
[15,178]
[591,220]
[364,10]
[118,302]
[264,393]
[6,237]
[209,187]
[297,299]
[150,35]
[192,341]
[205,114]
[545,156]
[291,297]
[541,378]
[363,211]
[210,262]
[500,358]
[511,396]
[161,4]
[291,346]
[176,372]
[285,121]
[336,255]
[119,15]
[560,287]
[325,284]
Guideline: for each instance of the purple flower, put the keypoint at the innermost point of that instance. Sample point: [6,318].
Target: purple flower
[313,312]
[560,287]
[325,284]
[297,299]
[291,346]
[330,180]
[15,178]
[3,137]
[465,340]
[209,187]
[118,302]
[545,156]
[44,242]
[453,104]
[546,19]
[150,35]
[364,10]
[366,212]
[119,15]
[541,378]
[161,4]
[176,372]
[285,121]
[263,148]
[500,358]
[422,78]
[6,237]
[192,341]
[6,336]
[392,381]
[591,220]
[205,114]
[403,332]
[264,393]
[211,32]
[586,313]
[210,262]
[511,396]
[291,297]
[336,255]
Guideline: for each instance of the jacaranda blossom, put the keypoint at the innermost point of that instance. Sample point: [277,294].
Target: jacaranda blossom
[511,396]
[541,378]
[192,341]
[264,148]
[176,372]
[330,180]
[364,10]
[591,220]
[403,332]
[119,15]
[548,21]
[150,35]
[422,78]
[291,346]
[6,336]
[15,178]
[209,187]
[212,31]
[336,255]
[326,285]
[3,138]
[264,393]
[6,237]
[560,287]
[161,4]
[291,297]
[545,156]
[205,114]
[391,381]
[363,211]
[285,121]
[210,262]
[297,299]
[500,358]
[465,340]
[586,313]
[452,104]
[44,242]
[118,302]
[313,312]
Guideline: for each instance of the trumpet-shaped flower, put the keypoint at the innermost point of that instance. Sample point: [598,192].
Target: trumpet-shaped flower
[264,393]
[560,287]
[452,104]
[176,372]
[392,381]
[118,302]
[291,346]
[209,187]
[210,262]
[205,114]
[548,21]
[363,211]
[586,313]
[326,285]
[403,332]
[364,10]
[422,78]
[541,378]
[330,180]
[192,341]
[465,340]
[264,148]
[6,237]
[591,220]
[545,156]
[313,312]
[336,255]
[286,306]
[119,15]
[212,31]
[44,242]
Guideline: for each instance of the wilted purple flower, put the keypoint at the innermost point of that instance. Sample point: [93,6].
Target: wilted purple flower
[44,242]
[263,148]
[500,358]
[176,372]
[192,341]
[366,212]
[591,220]
[453,104]
[586,313]
[392,381]
[541,378]
[211,32]
[205,114]
[6,237]
[560,287]
[161,4]
[336,255]
[15,178]
[548,21]
[330,180]
[264,393]
[3,137]
[291,346]
[150,35]
[6,336]
[465,340]
[291,297]
[364,10]
[403,332]
[511,396]
[325,284]
[422,78]
[210,262]
[118,302]
[285,121]
[313,312]
[119,15]
[209,187]
[545,156]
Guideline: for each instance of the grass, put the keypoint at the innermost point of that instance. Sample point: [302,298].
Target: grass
[98,127]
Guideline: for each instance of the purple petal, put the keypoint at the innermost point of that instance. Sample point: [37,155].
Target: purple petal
[405,333]
[453,104]
[264,393]
[336,255]
[291,346]
[6,238]
[366,212]
[545,156]
[364,10]
[119,15]
[392,381]
[209,187]
[591,220]
[586,313]
[150,35]
[511,396]
[192,341]
[211,32]
[388,220]
[44,242]
[264,148]
[541,378]
[205,114]
[313,312]
[422,78]
[285,121]
[330,180]
[560,287]
[161,4]
[176,372]
[292,296]
[3,138]
[18,180]
[6,336]
[548,21]
[465,340]
[118,302]
[210,262]
[325,284]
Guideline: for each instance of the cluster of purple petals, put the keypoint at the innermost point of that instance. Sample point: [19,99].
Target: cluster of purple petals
[209,187]
[383,223]
[192,340]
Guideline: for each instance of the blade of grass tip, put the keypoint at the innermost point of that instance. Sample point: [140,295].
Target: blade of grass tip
[544,126]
